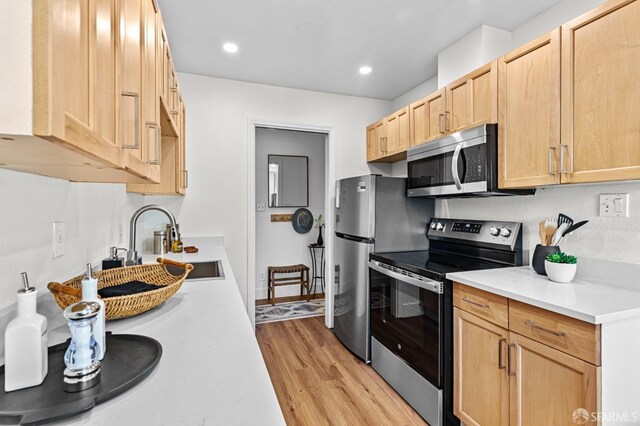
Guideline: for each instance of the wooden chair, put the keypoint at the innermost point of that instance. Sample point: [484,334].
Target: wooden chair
[302,279]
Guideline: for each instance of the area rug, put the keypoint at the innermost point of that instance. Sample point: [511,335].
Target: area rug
[289,310]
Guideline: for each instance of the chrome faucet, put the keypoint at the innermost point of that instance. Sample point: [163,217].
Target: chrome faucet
[132,254]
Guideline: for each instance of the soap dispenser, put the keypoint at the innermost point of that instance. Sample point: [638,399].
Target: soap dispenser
[25,343]
[113,261]
[90,294]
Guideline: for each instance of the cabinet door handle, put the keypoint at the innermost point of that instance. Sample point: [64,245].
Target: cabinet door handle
[473,302]
[156,127]
[446,121]
[136,107]
[551,155]
[440,117]
[385,144]
[186,178]
[545,329]
[562,148]
[509,363]
[500,364]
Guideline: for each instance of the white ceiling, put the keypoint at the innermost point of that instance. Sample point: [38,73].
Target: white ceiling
[321,44]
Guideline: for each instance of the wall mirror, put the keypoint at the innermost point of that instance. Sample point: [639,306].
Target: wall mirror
[288,181]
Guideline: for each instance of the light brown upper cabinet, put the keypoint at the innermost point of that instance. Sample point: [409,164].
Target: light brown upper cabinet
[397,132]
[426,118]
[468,102]
[389,138]
[95,111]
[601,94]
[472,100]
[152,133]
[166,132]
[529,114]
[375,140]
[131,45]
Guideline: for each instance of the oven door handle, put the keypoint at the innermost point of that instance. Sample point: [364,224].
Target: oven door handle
[424,283]
[454,166]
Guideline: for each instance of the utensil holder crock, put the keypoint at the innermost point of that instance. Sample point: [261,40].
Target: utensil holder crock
[540,255]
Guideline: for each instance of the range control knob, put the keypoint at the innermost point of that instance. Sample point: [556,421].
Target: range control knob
[494,231]
[433,225]
[505,232]
[439,227]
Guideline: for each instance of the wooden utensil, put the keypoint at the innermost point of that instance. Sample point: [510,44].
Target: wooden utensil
[550,227]
[543,234]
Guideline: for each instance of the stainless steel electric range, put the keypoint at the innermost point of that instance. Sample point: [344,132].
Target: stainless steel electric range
[412,309]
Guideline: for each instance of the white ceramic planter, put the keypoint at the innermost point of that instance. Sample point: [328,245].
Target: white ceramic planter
[560,272]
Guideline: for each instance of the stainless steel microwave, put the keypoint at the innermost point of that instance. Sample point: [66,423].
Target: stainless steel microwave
[463,164]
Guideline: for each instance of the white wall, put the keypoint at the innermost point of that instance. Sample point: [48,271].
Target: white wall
[554,17]
[606,237]
[470,52]
[96,217]
[418,92]
[217,136]
[277,243]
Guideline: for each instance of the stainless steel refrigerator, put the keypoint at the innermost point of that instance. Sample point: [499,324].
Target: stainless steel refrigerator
[373,214]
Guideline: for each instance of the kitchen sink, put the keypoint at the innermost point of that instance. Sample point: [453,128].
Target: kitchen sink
[201,271]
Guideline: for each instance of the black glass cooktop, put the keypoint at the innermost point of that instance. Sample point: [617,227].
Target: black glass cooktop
[434,265]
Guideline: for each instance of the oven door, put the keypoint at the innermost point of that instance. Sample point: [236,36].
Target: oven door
[456,167]
[406,317]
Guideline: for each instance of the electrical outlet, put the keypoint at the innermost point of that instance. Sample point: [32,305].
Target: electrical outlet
[262,276]
[614,205]
[59,238]
[261,207]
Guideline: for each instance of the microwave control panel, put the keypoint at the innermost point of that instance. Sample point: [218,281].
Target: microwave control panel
[475,159]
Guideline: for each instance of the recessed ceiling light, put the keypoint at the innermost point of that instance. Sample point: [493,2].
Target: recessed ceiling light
[230,47]
[365,70]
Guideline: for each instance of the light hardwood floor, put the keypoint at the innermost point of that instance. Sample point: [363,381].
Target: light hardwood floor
[319,382]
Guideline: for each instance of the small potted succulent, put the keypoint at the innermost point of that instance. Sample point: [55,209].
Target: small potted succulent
[561,267]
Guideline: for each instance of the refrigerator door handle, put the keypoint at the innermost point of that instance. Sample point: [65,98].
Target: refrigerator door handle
[337,194]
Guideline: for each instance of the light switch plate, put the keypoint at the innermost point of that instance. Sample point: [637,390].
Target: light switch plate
[59,238]
[261,207]
[614,205]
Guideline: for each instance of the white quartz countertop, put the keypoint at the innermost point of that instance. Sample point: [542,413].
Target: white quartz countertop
[595,298]
[211,372]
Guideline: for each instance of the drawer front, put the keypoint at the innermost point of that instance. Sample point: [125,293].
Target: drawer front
[569,335]
[486,305]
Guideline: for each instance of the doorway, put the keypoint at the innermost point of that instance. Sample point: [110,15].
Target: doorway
[291,167]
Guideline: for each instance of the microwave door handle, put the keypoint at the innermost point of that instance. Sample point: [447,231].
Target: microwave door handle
[454,166]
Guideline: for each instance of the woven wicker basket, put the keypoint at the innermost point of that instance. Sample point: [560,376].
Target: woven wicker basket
[70,291]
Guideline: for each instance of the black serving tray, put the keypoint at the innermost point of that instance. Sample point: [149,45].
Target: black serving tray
[128,361]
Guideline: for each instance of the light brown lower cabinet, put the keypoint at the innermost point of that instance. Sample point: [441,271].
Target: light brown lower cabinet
[503,378]
[481,383]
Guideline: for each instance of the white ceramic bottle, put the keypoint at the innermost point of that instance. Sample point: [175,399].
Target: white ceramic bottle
[25,343]
[90,294]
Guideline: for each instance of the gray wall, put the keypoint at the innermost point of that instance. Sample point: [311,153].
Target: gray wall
[277,243]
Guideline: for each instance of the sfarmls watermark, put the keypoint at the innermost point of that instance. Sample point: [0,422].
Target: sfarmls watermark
[581,416]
